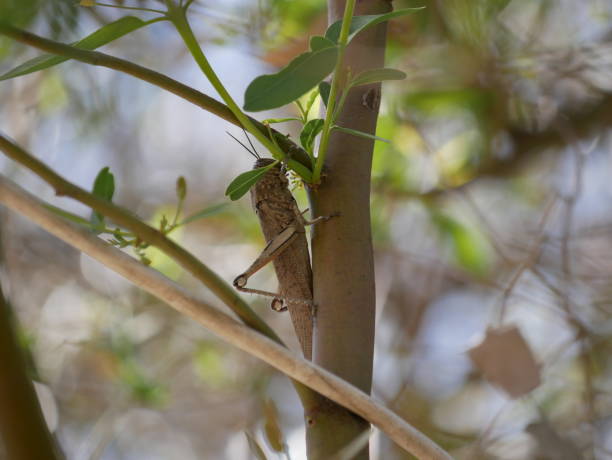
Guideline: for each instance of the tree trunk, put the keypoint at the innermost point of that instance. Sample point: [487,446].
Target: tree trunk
[343,266]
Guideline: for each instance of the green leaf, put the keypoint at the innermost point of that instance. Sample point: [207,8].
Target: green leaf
[468,246]
[100,37]
[296,79]
[103,188]
[360,23]
[354,132]
[311,100]
[241,184]
[317,42]
[377,75]
[181,188]
[324,89]
[104,185]
[206,212]
[309,134]
[300,170]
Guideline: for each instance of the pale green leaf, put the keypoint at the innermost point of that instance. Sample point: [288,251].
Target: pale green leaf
[309,133]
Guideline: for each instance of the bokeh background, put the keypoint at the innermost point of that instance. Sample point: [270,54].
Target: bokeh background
[491,205]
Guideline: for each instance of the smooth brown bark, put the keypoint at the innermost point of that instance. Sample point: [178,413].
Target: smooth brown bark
[23,430]
[343,266]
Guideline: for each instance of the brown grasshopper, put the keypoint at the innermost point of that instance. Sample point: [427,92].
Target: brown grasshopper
[282,225]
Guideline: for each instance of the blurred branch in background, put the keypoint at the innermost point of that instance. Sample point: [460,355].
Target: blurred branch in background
[221,324]
[475,209]
[25,435]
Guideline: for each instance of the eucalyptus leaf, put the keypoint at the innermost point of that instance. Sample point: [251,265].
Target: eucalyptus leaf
[100,37]
[241,184]
[360,23]
[324,89]
[317,42]
[376,75]
[296,79]
[354,132]
[203,213]
[309,134]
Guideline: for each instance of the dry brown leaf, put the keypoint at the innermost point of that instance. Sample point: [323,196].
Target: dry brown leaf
[505,359]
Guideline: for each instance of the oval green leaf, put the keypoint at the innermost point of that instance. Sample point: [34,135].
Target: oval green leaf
[377,75]
[317,42]
[104,185]
[241,184]
[309,134]
[103,188]
[296,79]
[102,36]
[360,23]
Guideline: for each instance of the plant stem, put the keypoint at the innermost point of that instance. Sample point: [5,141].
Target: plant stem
[155,78]
[222,325]
[329,116]
[178,18]
[143,231]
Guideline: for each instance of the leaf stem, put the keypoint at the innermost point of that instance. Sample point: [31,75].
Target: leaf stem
[178,18]
[329,115]
[162,81]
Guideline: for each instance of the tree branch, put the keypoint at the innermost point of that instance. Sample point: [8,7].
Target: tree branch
[155,78]
[22,426]
[126,219]
[223,325]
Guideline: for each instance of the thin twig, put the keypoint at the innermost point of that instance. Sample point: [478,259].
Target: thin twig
[155,78]
[223,325]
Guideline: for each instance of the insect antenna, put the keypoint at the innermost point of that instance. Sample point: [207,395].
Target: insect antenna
[252,152]
[251,143]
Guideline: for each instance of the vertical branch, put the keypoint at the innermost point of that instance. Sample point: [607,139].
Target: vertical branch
[343,267]
[22,427]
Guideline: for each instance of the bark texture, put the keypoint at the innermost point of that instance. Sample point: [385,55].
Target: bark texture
[343,266]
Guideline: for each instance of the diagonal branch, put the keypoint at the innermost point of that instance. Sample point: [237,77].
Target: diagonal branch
[155,78]
[223,325]
[127,220]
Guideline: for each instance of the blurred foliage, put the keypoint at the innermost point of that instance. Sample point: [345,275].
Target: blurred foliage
[490,207]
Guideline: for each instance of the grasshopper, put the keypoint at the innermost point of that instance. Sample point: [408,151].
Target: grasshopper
[282,225]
